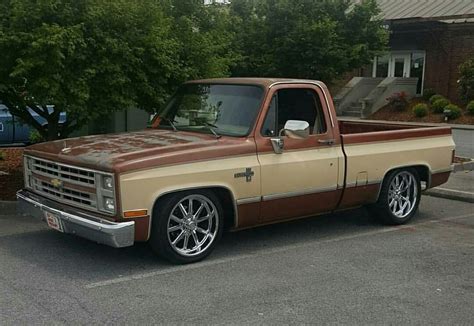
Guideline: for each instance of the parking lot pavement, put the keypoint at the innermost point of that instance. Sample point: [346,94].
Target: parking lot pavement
[341,268]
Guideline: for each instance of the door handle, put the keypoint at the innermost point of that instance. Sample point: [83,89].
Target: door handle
[326,141]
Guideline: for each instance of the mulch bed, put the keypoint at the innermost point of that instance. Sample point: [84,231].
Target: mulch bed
[461,159]
[11,172]
[388,113]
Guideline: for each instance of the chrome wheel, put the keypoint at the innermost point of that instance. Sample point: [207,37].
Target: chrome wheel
[402,194]
[192,225]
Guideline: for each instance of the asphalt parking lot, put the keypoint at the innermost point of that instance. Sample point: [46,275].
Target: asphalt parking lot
[342,269]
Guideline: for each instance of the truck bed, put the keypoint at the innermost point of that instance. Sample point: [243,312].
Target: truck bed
[371,149]
[373,131]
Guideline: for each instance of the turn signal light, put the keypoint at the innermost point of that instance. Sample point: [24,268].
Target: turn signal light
[135,213]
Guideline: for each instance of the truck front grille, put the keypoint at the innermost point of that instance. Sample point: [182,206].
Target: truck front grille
[67,184]
[65,194]
[63,172]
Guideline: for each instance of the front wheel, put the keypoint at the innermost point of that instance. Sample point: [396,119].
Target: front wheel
[399,197]
[187,226]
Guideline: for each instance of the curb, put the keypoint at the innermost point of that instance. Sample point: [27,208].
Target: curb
[464,196]
[465,166]
[8,207]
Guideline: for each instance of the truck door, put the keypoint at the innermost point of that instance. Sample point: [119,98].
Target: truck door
[306,178]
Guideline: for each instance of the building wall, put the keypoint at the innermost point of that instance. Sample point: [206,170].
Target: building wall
[446,46]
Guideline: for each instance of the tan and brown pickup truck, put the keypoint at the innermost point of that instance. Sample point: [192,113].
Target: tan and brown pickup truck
[229,154]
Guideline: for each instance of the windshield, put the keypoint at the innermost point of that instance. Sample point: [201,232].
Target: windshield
[228,109]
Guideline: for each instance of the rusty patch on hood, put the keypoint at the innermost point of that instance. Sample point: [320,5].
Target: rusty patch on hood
[139,150]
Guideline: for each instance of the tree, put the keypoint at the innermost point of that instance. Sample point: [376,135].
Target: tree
[86,58]
[204,37]
[466,80]
[306,38]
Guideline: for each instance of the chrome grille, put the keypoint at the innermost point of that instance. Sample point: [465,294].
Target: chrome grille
[65,194]
[64,183]
[81,187]
[63,172]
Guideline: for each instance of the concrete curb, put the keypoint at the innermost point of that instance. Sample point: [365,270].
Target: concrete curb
[8,207]
[465,166]
[450,194]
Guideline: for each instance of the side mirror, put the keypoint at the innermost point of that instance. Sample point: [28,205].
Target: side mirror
[295,129]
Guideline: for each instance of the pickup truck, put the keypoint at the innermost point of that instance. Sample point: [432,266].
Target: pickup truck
[230,154]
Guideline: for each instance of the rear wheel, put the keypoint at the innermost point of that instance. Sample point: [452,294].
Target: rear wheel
[186,226]
[399,197]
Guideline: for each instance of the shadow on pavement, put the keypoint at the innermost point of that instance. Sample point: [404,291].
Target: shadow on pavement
[84,261]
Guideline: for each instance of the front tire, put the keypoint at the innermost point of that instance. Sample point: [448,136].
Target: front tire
[186,226]
[399,197]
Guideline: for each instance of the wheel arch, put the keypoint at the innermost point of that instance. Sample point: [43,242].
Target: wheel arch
[223,193]
[423,171]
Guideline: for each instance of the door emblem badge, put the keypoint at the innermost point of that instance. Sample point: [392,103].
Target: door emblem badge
[248,174]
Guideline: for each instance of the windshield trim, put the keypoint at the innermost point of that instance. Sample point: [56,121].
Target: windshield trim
[223,133]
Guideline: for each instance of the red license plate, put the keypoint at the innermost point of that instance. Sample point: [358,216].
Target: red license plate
[53,221]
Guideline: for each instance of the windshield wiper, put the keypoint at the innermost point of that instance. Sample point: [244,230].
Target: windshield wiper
[211,128]
[171,122]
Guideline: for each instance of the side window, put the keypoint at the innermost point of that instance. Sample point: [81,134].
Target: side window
[294,104]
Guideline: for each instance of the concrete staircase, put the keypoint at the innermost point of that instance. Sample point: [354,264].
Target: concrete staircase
[362,96]
[354,109]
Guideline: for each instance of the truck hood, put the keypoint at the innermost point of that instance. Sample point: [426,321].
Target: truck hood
[138,150]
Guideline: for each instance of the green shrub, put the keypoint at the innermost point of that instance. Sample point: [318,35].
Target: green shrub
[428,93]
[466,80]
[35,137]
[2,156]
[470,107]
[436,97]
[420,110]
[439,105]
[455,111]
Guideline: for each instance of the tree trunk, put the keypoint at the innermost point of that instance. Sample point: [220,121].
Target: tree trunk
[53,130]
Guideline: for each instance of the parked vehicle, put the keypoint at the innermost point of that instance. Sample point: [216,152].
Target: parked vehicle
[12,131]
[230,154]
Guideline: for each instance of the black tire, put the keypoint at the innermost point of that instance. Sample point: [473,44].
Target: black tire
[160,239]
[382,209]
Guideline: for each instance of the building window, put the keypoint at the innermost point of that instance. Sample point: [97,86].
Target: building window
[416,69]
[381,66]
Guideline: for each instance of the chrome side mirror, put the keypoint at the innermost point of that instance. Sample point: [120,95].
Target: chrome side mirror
[295,129]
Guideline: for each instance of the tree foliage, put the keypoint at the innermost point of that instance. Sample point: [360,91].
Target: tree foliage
[92,57]
[306,38]
[466,80]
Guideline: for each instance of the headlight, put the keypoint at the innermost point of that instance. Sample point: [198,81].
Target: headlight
[105,192]
[108,183]
[109,204]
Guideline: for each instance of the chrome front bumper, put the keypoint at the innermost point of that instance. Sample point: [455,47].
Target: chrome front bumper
[77,222]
